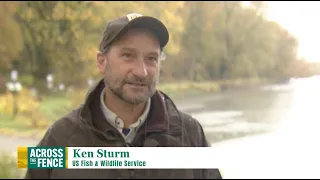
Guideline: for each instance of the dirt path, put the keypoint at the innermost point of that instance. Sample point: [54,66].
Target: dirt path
[10,144]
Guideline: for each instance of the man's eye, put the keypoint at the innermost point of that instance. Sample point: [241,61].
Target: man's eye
[127,55]
[153,58]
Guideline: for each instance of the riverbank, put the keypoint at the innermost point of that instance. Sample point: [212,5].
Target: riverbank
[193,89]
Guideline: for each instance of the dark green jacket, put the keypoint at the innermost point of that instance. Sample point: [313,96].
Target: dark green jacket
[165,126]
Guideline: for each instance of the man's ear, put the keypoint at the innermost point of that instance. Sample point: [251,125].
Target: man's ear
[101,62]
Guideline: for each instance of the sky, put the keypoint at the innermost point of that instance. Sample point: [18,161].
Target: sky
[302,19]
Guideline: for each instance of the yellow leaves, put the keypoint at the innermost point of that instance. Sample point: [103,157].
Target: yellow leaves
[7,8]
[61,40]
[87,14]
[98,3]
[58,12]
[180,4]
[66,10]
[96,19]
[64,36]
[171,16]
[28,14]
[69,13]
[91,52]
[29,113]
[25,102]
[10,33]
[175,27]
[5,107]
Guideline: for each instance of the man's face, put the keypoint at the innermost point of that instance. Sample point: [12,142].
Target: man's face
[131,67]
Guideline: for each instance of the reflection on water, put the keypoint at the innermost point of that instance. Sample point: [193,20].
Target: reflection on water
[303,117]
[291,107]
[222,117]
[290,149]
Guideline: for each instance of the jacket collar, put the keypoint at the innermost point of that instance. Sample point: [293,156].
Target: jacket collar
[158,118]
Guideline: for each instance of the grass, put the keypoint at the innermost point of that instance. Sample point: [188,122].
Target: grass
[8,167]
[188,88]
[53,108]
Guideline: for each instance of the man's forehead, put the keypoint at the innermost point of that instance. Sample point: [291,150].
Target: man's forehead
[134,49]
[132,36]
[137,30]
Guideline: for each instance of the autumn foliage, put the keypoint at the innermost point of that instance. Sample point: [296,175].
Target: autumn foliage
[208,40]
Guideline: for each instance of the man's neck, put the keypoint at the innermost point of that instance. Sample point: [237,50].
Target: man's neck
[128,113]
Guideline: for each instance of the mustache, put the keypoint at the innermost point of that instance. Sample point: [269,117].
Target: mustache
[138,80]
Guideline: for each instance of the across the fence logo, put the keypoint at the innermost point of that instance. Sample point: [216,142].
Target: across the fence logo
[42,157]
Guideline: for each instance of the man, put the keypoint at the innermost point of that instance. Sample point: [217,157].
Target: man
[125,109]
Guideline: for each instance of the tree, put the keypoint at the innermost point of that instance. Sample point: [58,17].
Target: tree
[10,35]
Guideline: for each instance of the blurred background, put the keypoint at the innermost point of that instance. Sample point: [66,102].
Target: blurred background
[248,71]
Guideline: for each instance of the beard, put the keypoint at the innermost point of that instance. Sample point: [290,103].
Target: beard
[118,85]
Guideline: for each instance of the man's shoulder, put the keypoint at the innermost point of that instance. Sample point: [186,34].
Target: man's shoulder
[187,119]
[190,121]
[62,129]
[69,120]
[193,130]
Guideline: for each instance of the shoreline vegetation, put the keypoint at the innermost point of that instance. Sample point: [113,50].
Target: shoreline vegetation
[35,116]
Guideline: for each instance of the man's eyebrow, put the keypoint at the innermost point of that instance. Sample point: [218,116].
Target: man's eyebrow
[127,49]
[154,53]
[132,49]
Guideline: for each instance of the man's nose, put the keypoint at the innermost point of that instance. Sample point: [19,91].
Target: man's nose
[140,69]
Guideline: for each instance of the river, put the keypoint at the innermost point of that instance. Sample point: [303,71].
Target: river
[266,132]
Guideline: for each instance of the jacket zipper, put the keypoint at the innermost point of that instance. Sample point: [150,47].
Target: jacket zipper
[125,144]
[131,173]
[136,138]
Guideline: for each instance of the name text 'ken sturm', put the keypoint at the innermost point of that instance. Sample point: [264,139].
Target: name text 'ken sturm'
[102,153]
